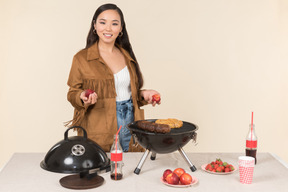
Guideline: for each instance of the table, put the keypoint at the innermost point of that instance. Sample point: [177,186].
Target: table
[23,173]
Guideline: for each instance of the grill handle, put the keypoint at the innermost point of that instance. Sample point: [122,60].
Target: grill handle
[73,127]
[194,138]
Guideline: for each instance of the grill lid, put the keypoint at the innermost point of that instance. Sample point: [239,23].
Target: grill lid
[76,154]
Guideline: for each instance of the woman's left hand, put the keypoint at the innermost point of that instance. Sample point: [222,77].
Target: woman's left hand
[147,95]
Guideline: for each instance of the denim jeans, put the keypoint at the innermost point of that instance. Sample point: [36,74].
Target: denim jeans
[125,115]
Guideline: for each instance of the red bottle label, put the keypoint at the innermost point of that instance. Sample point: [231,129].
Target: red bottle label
[116,156]
[251,144]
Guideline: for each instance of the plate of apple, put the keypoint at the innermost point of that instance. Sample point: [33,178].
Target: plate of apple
[178,178]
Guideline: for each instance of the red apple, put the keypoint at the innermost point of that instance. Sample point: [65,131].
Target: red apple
[165,173]
[172,179]
[179,171]
[185,179]
[156,98]
[88,92]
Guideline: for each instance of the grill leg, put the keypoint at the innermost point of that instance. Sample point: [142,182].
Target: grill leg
[142,160]
[192,167]
[153,156]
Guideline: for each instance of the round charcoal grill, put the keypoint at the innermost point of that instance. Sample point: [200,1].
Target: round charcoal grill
[163,142]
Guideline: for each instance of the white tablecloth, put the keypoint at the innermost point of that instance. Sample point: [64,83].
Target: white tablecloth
[23,173]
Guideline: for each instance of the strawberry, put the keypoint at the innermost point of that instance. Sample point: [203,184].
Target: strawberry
[218,161]
[227,169]
[222,167]
[208,167]
[219,169]
[231,168]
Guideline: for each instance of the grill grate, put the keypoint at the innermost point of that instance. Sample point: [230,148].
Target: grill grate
[186,128]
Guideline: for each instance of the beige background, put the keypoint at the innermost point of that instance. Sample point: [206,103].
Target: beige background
[214,62]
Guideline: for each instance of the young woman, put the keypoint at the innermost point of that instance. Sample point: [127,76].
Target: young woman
[109,67]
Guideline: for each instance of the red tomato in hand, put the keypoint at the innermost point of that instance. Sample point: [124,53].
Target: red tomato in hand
[156,98]
[88,92]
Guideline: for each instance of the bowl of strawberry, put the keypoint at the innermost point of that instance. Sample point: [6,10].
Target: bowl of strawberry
[218,167]
[178,178]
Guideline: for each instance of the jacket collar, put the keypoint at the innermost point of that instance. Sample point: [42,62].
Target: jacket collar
[93,53]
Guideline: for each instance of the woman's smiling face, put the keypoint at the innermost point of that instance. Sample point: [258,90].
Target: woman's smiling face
[108,26]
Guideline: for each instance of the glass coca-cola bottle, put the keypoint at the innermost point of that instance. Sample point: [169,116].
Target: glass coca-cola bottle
[251,142]
[116,159]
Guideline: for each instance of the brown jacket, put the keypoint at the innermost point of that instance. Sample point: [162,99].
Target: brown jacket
[89,71]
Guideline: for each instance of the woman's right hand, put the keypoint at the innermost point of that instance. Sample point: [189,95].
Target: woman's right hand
[91,100]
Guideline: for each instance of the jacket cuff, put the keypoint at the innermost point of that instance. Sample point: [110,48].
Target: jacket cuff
[141,101]
[78,101]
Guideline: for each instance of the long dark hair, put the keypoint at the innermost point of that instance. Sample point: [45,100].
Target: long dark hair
[123,41]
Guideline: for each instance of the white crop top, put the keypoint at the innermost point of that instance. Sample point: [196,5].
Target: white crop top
[122,85]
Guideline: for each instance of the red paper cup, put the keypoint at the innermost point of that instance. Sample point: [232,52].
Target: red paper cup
[246,168]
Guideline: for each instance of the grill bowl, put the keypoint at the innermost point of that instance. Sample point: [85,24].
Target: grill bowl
[164,142]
